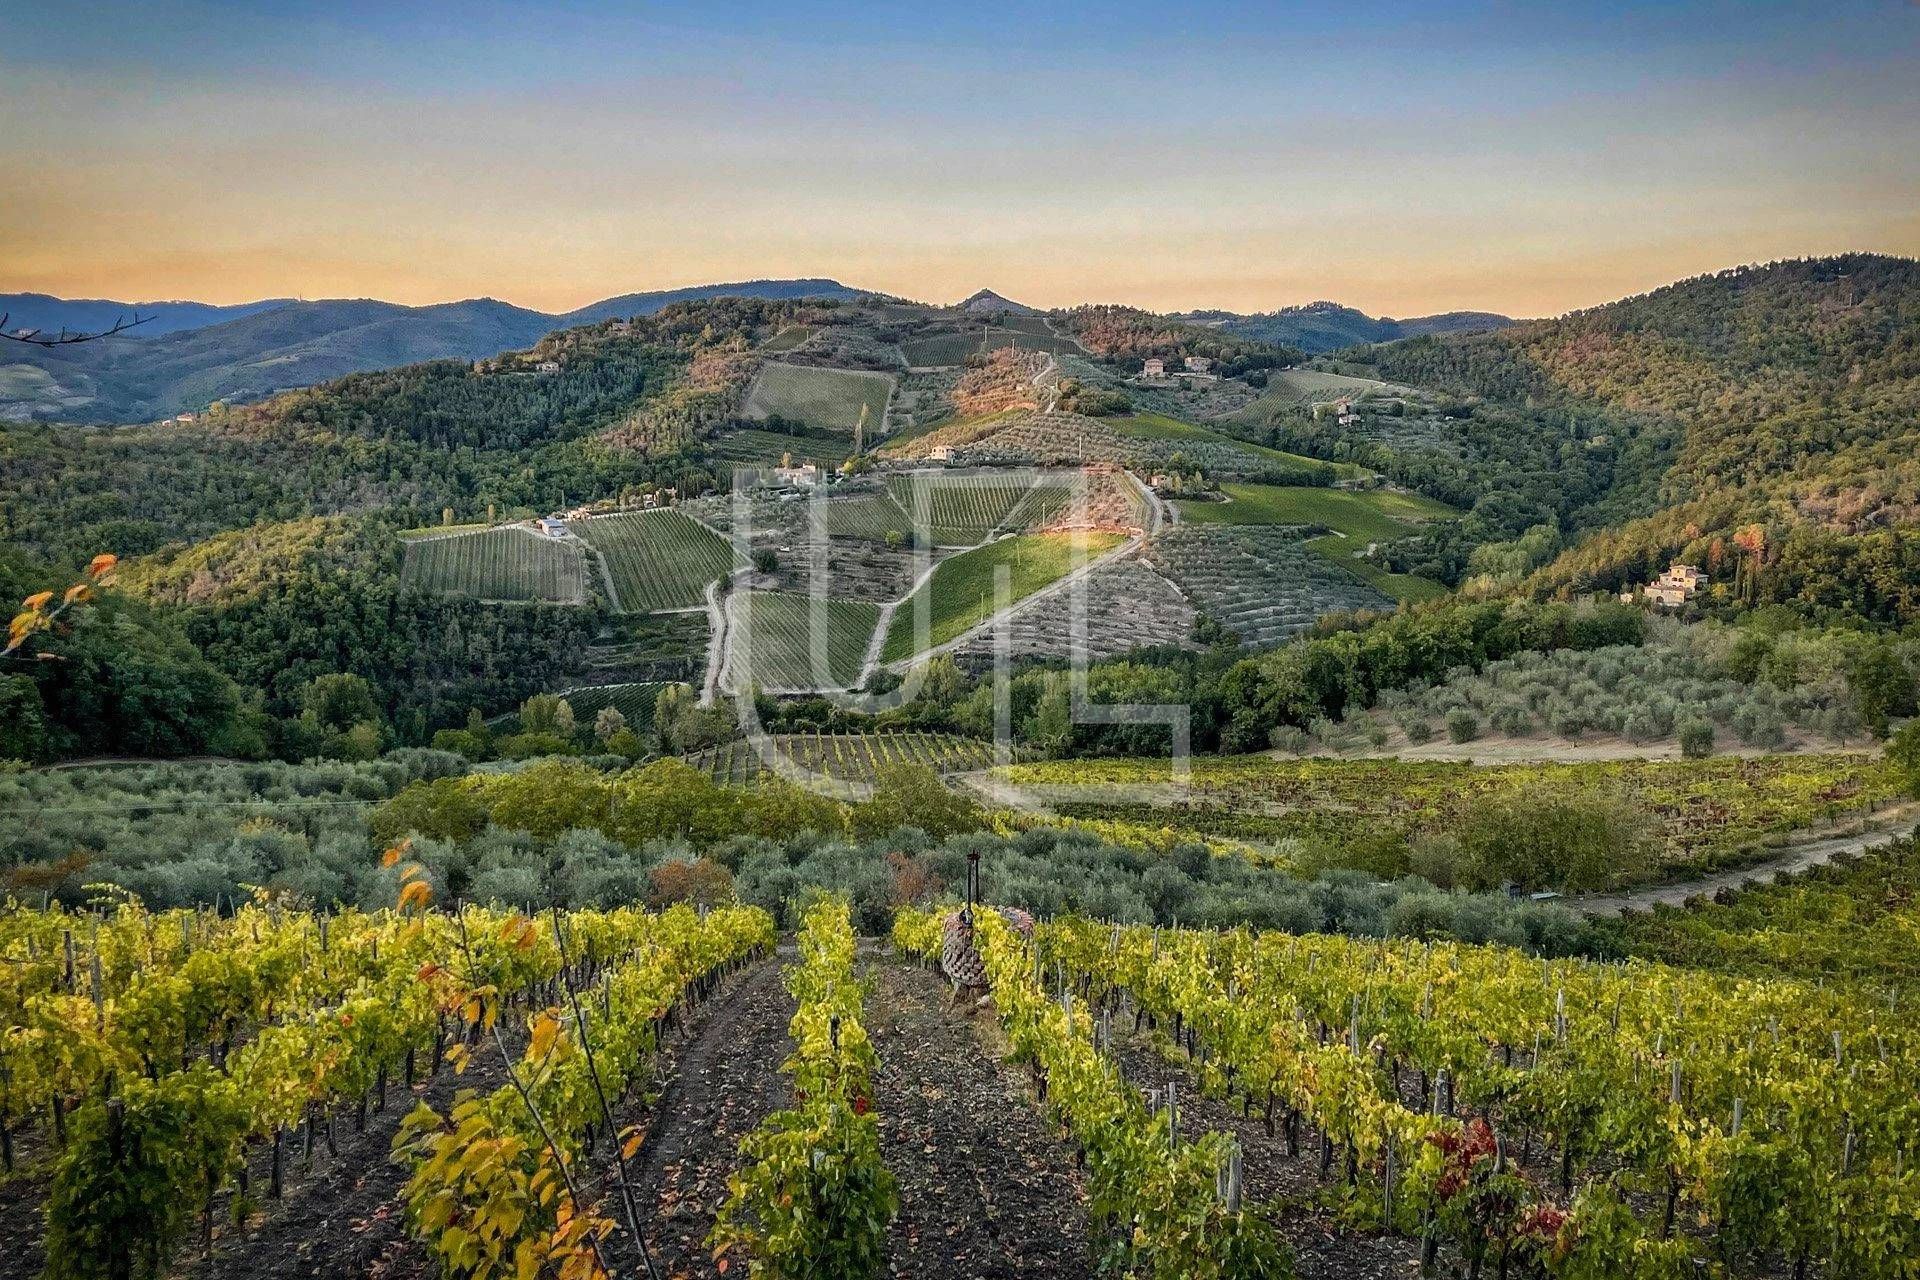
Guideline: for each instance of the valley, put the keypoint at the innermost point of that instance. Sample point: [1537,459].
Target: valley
[604,722]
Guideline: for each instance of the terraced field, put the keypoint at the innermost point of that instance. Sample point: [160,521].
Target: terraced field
[1263,583]
[1127,605]
[829,398]
[498,564]
[961,591]
[658,559]
[848,758]
[773,640]
[1145,443]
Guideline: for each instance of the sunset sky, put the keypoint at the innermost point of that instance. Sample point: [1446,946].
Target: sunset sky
[1403,158]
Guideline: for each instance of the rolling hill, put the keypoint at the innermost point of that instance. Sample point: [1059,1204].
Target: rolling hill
[92,315]
[1790,393]
[1319,327]
[276,346]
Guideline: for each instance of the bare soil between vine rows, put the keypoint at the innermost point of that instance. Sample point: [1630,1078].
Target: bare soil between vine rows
[988,1189]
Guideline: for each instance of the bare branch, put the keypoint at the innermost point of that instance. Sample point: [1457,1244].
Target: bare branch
[36,338]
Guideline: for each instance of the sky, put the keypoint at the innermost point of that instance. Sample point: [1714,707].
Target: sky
[1403,158]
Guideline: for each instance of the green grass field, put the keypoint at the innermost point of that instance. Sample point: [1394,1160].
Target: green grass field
[829,398]
[1362,515]
[961,591]
[658,559]
[775,631]
[497,564]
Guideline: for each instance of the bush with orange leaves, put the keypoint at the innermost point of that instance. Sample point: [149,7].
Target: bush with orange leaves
[39,612]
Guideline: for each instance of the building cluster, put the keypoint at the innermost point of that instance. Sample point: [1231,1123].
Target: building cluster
[1679,584]
[1344,414]
[1155,367]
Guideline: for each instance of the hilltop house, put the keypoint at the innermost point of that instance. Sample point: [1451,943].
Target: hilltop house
[623,326]
[1198,364]
[1154,367]
[1679,584]
[551,526]
[1345,415]
[547,366]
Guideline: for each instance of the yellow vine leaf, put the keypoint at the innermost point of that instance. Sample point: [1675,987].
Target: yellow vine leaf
[38,600]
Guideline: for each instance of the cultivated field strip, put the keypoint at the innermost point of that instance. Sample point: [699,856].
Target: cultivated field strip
[849,758]
[774,632]
[498,564]
[820,397]
[1262,583]
[658,559]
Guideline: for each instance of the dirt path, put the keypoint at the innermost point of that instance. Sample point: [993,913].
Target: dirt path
[716,646]
[1889,825]
[1325,1249]
[986,1188]
[726,1079]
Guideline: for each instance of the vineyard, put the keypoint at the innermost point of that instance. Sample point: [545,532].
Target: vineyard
[774,631]
[1854,919]
[1557,1118]
[834,399]
[959,510]
[962,591]
[658,559]
[498,564]
[1702,813]
[181,1059]
[849,758]
[1068,439]
[1263,584]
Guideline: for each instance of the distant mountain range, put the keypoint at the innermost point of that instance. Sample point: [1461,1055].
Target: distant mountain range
[49,314]
[1319,327]
[192,354]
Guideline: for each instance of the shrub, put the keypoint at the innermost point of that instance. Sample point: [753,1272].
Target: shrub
[1462,725]
[1550,837]
[1696,738]
[1419,731]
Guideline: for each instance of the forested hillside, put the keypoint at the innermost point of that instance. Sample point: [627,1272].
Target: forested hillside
[1789,393]
[1319,327]
[259,548]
